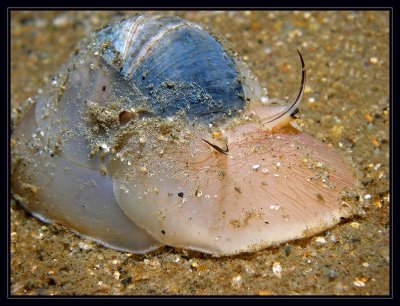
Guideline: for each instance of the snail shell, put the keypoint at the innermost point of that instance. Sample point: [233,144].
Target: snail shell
[152,134]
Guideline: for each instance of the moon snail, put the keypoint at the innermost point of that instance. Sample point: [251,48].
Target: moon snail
[153,133]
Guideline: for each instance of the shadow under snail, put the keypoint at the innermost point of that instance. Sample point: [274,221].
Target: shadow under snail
[153,133]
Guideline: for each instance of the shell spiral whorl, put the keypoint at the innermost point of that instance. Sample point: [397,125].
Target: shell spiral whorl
[166,58]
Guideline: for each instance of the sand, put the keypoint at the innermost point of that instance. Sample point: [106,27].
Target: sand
[346,105]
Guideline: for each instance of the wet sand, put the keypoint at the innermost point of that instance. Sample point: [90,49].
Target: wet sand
[346,105]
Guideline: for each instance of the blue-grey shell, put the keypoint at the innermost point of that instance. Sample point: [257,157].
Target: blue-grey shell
[176,64]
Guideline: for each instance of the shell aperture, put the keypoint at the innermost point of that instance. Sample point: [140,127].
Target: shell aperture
[145,138]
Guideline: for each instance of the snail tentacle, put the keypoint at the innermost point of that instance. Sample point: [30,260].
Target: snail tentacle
[291,108]
[217,148]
